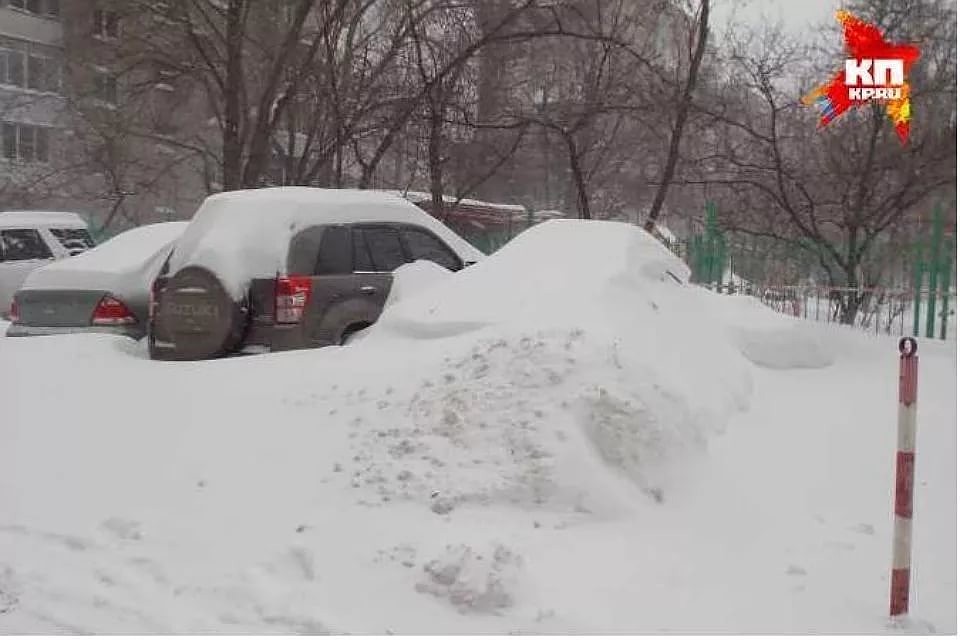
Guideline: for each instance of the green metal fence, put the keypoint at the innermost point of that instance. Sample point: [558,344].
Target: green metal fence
[917,272]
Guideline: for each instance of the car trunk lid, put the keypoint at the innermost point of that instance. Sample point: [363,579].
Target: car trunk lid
[54,308]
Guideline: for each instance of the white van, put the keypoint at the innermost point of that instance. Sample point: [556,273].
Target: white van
[31,239]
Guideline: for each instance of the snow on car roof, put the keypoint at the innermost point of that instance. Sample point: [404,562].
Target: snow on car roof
[241,235]
[33,219]
[131,256]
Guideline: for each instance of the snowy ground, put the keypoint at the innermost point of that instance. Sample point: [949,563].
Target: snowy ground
[531,445]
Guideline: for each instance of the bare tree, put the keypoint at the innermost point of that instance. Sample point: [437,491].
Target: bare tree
[594,88]
[696,47]
[833,191]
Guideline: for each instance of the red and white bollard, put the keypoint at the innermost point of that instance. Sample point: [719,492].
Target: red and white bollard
[903,498]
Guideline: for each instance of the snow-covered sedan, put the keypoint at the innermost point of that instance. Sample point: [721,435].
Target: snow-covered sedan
[103,290]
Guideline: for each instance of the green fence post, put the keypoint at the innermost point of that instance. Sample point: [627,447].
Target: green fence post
[934,270]
[721,261]
[917,284]
[945,300]
[696,250]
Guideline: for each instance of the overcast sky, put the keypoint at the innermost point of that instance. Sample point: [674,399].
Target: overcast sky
[796,15]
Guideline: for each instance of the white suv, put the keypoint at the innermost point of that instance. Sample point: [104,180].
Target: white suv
[31,239]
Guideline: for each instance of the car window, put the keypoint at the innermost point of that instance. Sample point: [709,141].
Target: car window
[335,253]
[424,246]
[385,248]
[361,254]
[73,240]
[23,244]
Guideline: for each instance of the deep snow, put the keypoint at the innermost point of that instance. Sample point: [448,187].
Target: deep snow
[549,441]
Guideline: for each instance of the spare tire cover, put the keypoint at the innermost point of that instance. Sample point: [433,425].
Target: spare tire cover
[200,318]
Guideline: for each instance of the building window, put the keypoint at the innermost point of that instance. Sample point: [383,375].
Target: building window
[38,7]
[43,74]
[105,87]
[28,71]
[106,24]
[26,143]
[9,133]
[11,68]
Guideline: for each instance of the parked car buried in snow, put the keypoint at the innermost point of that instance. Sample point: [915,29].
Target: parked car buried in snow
[104,290]
[289,268]
[32,239]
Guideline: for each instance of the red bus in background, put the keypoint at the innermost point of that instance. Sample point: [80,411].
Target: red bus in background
[486,225]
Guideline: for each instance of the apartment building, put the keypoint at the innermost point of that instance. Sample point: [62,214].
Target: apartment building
[31,100]
[67,111]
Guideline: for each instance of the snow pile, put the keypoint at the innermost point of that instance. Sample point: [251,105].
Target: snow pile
[533,420]
[241,235]
[128,261]
[473,581]
[414,278]
[556,272]
[537,418]
[798,347]
[771,340]
[569,448]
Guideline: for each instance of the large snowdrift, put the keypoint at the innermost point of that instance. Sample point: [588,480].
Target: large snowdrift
[583,311]
[535,444]
[556,272]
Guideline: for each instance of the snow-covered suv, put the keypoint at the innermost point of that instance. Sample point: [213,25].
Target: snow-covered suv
[288,268]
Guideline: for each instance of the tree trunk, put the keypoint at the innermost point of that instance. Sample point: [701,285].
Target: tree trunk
[579,179]
[232,91]
[435,157]
[679,123]
[852,298]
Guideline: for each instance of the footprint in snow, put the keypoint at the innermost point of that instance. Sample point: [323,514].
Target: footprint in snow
[149,568]
[842,546]
[73,543]
[8,597]
[122,529]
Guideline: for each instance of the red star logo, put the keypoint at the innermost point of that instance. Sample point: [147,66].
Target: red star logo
[864,41]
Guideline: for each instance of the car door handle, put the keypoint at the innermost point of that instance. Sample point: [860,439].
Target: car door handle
[368,290]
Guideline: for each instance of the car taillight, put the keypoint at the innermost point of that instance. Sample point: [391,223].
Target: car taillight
[112,312]
[14,311]
[292,296]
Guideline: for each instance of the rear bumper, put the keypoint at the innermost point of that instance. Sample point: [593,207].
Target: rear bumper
[25,331]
